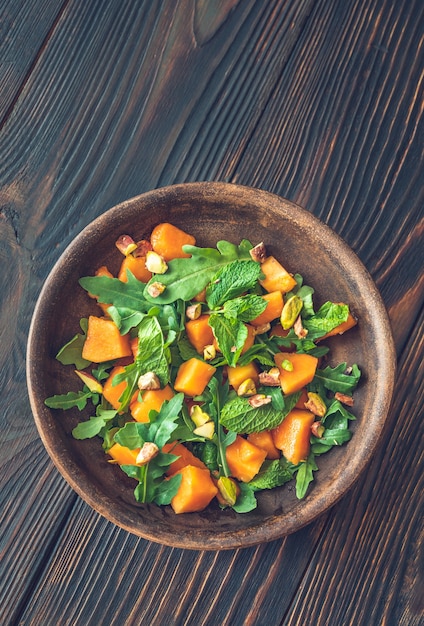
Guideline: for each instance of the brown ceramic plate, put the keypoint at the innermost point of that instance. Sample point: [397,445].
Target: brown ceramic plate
[212,211]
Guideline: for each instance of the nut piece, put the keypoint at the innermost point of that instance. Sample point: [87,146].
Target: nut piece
[259,400]
[343,398]
[198,416]
[125,244]
[155,263]
[300,332]
[149,380]
[209,352]
[258,253]
[143,247]
[147,453]
[287,365]
[228,490]
[290,312]
[155,289]
[193,311]
[270,378]
[263,328]
[247,388]
[317,429]
[316,404]
[205,430]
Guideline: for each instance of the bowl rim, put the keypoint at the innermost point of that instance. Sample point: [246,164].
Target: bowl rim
[254,534]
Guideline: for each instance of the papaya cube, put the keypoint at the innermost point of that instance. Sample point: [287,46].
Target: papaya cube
[199,333]
[195,491]
[244,459]
[274,307]
[193,376]
[276,277]
[104,342]
[239,373]
[303,368]
[293,435]
[151,400]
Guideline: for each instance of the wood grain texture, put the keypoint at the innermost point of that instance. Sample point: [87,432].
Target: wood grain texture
[320,102]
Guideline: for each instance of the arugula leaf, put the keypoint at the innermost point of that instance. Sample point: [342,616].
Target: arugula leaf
[325,319]
[230,335]
[69,400]
[151,357]
[71,352]
[186,277]
[92,427]
[246,500]
[336,379]
[272,474]
[108,290]
[231,281]
[125,318]
[305,475]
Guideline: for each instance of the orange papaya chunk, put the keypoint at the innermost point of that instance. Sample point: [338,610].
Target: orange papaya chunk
[341,328]
[123,455]
[239,373]
[199,333]
[264,441]
[293,435]
[104,342]
[274,306]
[193,376]
[195,491]
[303,370]
[137,266]
[244,459]
[112,392]
[276,277]
[168,241]
[185,457]
[151,400]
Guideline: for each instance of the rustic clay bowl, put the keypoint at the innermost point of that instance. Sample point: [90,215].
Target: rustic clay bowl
[212,211]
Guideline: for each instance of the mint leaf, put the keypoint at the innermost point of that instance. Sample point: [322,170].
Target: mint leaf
[231,281]
[185,278]
[272,474]
[245,308]
[230,335]
[325,319]
[239,416]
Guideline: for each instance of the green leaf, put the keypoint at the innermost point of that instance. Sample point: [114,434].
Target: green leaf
[125,318]
[69,400]
[239,416]
[336,379]
[167,489]
[113,291]
[186,277]
[71,352]
[230,335]
[325,319]
[246,308]
[231,281]
[92,427]
[305,475]
[246,501]
[272,474]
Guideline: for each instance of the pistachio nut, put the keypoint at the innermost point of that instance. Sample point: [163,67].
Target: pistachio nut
[290,312]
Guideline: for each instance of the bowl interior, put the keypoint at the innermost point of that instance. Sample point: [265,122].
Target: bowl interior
[211,211]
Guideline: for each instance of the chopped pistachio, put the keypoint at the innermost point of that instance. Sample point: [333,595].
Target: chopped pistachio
[317,429]
[143,247]
[155,263]
[228,490]
[247,388]
[299,329]
[343,398]
[198,416]
[290,312]
[125,244]
[209,352]
[287,365]
[147,453]
[155,289]
[205,430]
[194,311]
[263,328]
[149,380]
[259,399]
[270,378]
[316,404]
[258,252]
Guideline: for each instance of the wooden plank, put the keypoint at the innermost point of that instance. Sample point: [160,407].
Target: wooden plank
[24,27]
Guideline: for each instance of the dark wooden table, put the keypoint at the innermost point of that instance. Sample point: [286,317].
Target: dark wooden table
[319,101]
